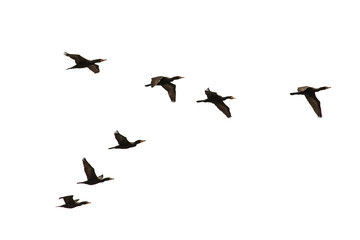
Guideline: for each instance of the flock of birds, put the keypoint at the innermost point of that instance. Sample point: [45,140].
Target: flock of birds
[166,83]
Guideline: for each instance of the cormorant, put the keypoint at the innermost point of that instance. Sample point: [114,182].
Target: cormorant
[165,82]
[309,93]
[92,178]
[83,62]
[218,100]
[71,203]
[123,142]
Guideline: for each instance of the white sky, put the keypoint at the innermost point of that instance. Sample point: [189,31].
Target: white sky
[272,171]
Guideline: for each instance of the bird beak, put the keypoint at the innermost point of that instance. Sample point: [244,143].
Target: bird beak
[142,141]
[87,202]
[103,60]
[232,97]
[328,87]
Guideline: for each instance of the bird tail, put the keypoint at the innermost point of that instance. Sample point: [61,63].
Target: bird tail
[111,147]
[294,93]
[200,101]
[148,85]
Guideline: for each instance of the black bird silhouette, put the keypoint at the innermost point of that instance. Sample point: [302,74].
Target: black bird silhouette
[92,178]
[123,142]
[71,203]
[309,93]
[83,62]
[218,100]
[165,82]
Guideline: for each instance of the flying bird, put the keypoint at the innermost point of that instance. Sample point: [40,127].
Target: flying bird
[218,100]
[83,62]
[92,178]
[123,142]
[167,84]
[309,93]
[71,203]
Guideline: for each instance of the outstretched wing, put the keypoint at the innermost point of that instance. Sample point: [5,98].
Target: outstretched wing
[120,138]
[315,103]
[68,199]
[301,89]
[156,80]
[222,107]
[94,67]
[89,170]
[211,94]
[170,88]
[76,57]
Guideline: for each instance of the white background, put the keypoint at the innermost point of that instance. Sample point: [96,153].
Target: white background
[273,171]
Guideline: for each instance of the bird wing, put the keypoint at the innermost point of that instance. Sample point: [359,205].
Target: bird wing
[76,57]
[155,80]
[89,170]
[94,67]
[211,94]
[315,103]
[170,88]
[301,89]
[120,138]
[68,199]
[222,107]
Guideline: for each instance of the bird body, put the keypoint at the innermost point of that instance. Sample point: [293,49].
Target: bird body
[82,62]
[218,100]
[167,84]
[92,178]
[309,93]
[71,203]
[123,142]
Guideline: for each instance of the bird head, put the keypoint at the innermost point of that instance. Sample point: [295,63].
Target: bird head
[108,178]
[323,88]
[139,141]
[228,97]
[99,60]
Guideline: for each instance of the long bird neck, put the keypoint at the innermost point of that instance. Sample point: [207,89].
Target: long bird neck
[227,97]
[96,60]
[174,78]
[319,89]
